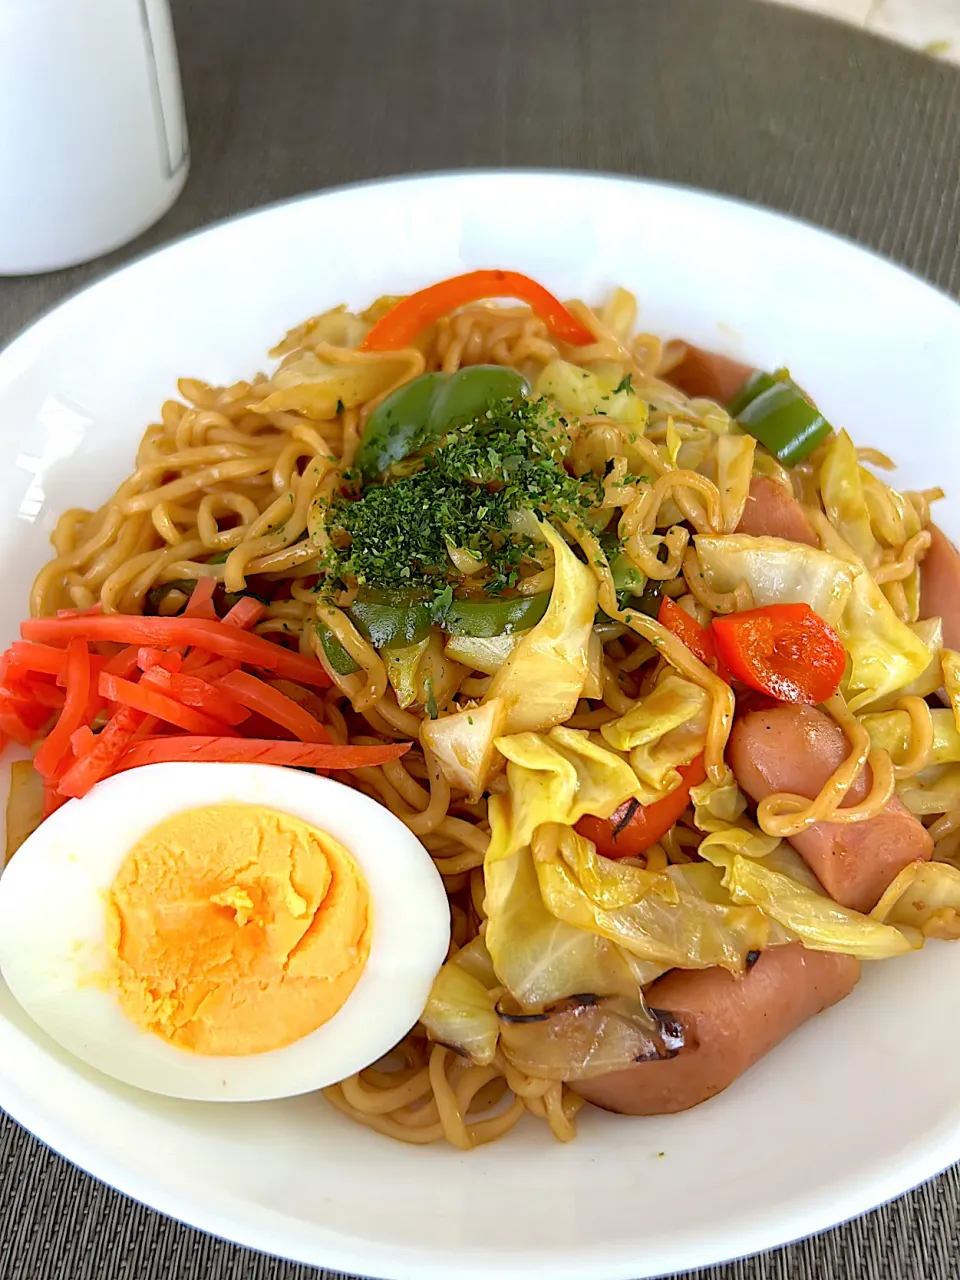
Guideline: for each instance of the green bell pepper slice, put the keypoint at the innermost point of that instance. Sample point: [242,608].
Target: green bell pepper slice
[485,619]
[421,411]
[755,385]
[394,619]
[777,413]
[390,619]
[335,653]
[626,575]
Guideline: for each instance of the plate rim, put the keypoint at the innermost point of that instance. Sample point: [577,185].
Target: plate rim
[222,1215]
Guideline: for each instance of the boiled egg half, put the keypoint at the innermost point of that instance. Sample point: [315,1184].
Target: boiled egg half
[223,931]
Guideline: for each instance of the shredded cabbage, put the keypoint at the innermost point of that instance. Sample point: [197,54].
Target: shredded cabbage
[537,956]
[660,917]
[950,662]
[482,653]
[665,729]
[401,665]
[578,392]
[314,387]
[544,677]
[844,500]
[464,744]
[735,455]
[925,896]
[890,731]
[884,653]
[460,1009]
[777,572]
[556,777]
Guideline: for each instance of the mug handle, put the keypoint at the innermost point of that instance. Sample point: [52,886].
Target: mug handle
[165,90]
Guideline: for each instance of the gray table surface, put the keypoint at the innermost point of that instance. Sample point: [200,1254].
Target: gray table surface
[763,103]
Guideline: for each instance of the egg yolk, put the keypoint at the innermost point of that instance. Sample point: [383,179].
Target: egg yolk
[235,929]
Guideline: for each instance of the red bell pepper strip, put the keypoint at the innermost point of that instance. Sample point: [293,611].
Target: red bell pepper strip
[56,745]
[149,700]
[21,718]
[45,695]
[14,730]
[310,755]
[43,658]
[168,659]
[200,604]
[194,692]
[634,827]
[686,628]
[180,632]
[408,318]
[109,745]
[80,613]
[274,705]
[52,800]
[245,614]
[125,663]
[82,741]
[784,650]
[207,668]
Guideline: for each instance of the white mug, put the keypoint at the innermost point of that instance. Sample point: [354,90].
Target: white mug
[93,138]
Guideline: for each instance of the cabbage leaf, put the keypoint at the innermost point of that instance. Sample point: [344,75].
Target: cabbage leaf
[950,663]
[735,453]
[556,777]
[925,896]
[306,384]
[884,654]
[537,956]
[777,572]
[583,394]
[890,731]
[460,1010]
[770,882]
[844,500]
[402,665]
[543,678]
[662,918]
[661,731]
[464,744]
[482,653]
[935,789]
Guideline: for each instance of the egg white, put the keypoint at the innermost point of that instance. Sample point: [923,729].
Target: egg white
[53,941]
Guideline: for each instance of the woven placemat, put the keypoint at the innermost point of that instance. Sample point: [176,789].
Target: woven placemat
[757,101]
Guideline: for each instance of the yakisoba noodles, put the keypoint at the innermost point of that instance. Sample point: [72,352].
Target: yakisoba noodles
[660,488]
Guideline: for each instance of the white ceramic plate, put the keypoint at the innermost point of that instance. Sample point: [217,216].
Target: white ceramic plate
[858,1106]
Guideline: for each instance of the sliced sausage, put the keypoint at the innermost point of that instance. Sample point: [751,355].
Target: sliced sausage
[704,373]
[796,749]
[772,512]
[940,586]
[728,1024]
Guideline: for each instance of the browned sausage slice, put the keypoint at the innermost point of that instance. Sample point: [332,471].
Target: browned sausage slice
[772,512]
[728,1023]
[796,749]
[704,373]
[940,586]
